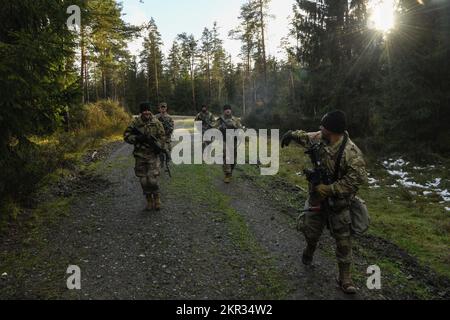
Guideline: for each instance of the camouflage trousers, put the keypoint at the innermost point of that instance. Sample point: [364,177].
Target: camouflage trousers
[169,144]
[229,168]
[339,222]
[148,171]
[162,156]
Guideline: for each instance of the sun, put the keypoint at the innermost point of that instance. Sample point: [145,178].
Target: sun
[382,15]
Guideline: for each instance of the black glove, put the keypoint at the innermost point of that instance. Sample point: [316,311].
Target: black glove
[141,139]
[287,139]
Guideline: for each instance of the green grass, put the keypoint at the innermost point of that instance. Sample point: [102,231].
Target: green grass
[402,282]
[415,224]
[32,255]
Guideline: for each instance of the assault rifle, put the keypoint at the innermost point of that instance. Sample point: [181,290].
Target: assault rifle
[151,142]
[317,175]
[320,174]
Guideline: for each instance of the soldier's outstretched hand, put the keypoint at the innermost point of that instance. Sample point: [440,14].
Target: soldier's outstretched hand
[287,139]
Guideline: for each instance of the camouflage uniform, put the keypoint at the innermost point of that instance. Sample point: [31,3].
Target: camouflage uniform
[147,167]
[207,120]
[228,123]
[169,127]
[352,175]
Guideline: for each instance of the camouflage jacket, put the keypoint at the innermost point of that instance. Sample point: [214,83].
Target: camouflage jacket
[207,119]
[168,124]
[352,172]
[228,123]
[151,127]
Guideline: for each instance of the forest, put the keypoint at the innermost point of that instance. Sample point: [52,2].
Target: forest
[67,91]
[394,86]
[391,85]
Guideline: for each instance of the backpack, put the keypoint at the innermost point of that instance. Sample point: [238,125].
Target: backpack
[359,214]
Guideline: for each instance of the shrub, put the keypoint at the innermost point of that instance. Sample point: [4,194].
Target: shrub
[25,163]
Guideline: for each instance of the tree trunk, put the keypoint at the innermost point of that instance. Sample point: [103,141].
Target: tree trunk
[155,64]
[292,85]
[105,93]
[83,62]
[194,102]
[244,107]
[263,45]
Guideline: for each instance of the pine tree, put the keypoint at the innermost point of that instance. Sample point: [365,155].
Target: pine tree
[151,59]
[189,54]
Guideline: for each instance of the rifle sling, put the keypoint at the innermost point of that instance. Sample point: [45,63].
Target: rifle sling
[339,158]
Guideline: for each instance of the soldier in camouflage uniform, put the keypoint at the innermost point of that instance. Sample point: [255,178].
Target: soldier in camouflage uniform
[228,122]
[168,124]
[207,119]
[352,174]
[147,167]
[169,127]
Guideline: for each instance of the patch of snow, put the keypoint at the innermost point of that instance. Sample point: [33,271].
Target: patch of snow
[401,174]
[373,181]
[445,194]
[394,186]
[395,163]
[430,167]
[411,184]
[435,184]
[427,193]
[447,208]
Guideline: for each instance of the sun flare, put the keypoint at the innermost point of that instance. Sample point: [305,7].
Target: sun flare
[382,15]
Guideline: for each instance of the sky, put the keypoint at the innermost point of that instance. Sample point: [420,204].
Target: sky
[192,16]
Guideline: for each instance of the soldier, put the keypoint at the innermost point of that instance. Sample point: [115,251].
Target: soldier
[207,120]
[169,127]
[147,135]
[228,122]
[329,205]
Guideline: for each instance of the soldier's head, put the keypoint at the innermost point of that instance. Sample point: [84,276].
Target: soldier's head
[333,125]
[204,108]
[227,110]
[163,107]
[145,110]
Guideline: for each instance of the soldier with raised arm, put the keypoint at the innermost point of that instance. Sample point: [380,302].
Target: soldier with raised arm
[329,204]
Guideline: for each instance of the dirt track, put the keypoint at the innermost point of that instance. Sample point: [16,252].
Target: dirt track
[211,241]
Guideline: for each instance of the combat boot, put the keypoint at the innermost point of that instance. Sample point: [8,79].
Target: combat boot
[150,202]
[157,202]
[345,279]
[228,178]
[308,255]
